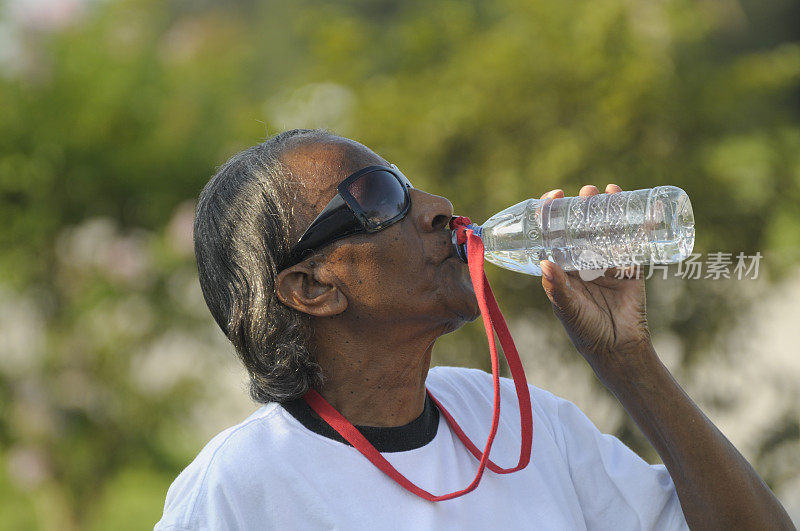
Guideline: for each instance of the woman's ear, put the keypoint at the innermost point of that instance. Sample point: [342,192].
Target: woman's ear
[301,288]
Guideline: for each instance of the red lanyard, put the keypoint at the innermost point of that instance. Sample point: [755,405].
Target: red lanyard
[493,322]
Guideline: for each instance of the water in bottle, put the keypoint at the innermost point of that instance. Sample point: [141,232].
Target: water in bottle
[653,226]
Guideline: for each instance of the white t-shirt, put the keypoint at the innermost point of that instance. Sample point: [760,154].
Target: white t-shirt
[271,472]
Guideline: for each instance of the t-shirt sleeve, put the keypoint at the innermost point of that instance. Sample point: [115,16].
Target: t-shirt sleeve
[205,495]
[192,504]
[616,488]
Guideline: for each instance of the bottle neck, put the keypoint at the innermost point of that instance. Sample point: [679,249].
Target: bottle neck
[476,229]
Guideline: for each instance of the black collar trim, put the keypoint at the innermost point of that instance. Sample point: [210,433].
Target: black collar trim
[411,436]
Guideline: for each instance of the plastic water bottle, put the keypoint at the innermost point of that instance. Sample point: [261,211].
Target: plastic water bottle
[653,226]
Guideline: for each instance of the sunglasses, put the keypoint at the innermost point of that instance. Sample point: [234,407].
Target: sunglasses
[369,200]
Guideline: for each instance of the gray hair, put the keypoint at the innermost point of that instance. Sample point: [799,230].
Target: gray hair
[242,234]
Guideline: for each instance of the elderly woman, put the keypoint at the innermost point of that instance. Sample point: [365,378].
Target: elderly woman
[333,277]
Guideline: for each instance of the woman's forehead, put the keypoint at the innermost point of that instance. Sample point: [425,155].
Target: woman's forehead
[317,167]
[320,166]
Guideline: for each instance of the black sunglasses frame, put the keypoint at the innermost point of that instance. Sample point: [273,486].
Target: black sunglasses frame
[343,216]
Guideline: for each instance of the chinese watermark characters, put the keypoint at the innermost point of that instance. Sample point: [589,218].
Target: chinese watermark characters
[716,266]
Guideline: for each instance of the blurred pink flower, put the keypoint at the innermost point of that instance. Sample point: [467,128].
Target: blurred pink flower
[27,467]
[180,229]
[46,14]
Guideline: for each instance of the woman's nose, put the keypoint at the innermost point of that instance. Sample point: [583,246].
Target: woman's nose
[431,212]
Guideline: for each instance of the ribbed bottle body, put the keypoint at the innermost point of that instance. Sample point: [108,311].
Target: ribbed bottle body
[597,232]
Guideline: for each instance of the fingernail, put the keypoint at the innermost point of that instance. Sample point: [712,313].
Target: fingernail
[546,273]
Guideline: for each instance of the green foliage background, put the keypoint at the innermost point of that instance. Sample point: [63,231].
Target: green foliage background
[112,121]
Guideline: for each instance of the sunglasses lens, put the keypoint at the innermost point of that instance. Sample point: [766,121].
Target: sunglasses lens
[380,195]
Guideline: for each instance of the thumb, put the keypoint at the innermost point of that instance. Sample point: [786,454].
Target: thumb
[556,285]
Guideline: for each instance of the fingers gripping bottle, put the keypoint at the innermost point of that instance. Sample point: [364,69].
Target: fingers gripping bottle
[652,226]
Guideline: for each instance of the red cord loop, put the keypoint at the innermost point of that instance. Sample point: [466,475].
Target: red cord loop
[493,321]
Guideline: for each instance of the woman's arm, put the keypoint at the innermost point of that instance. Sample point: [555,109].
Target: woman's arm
[607,322]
